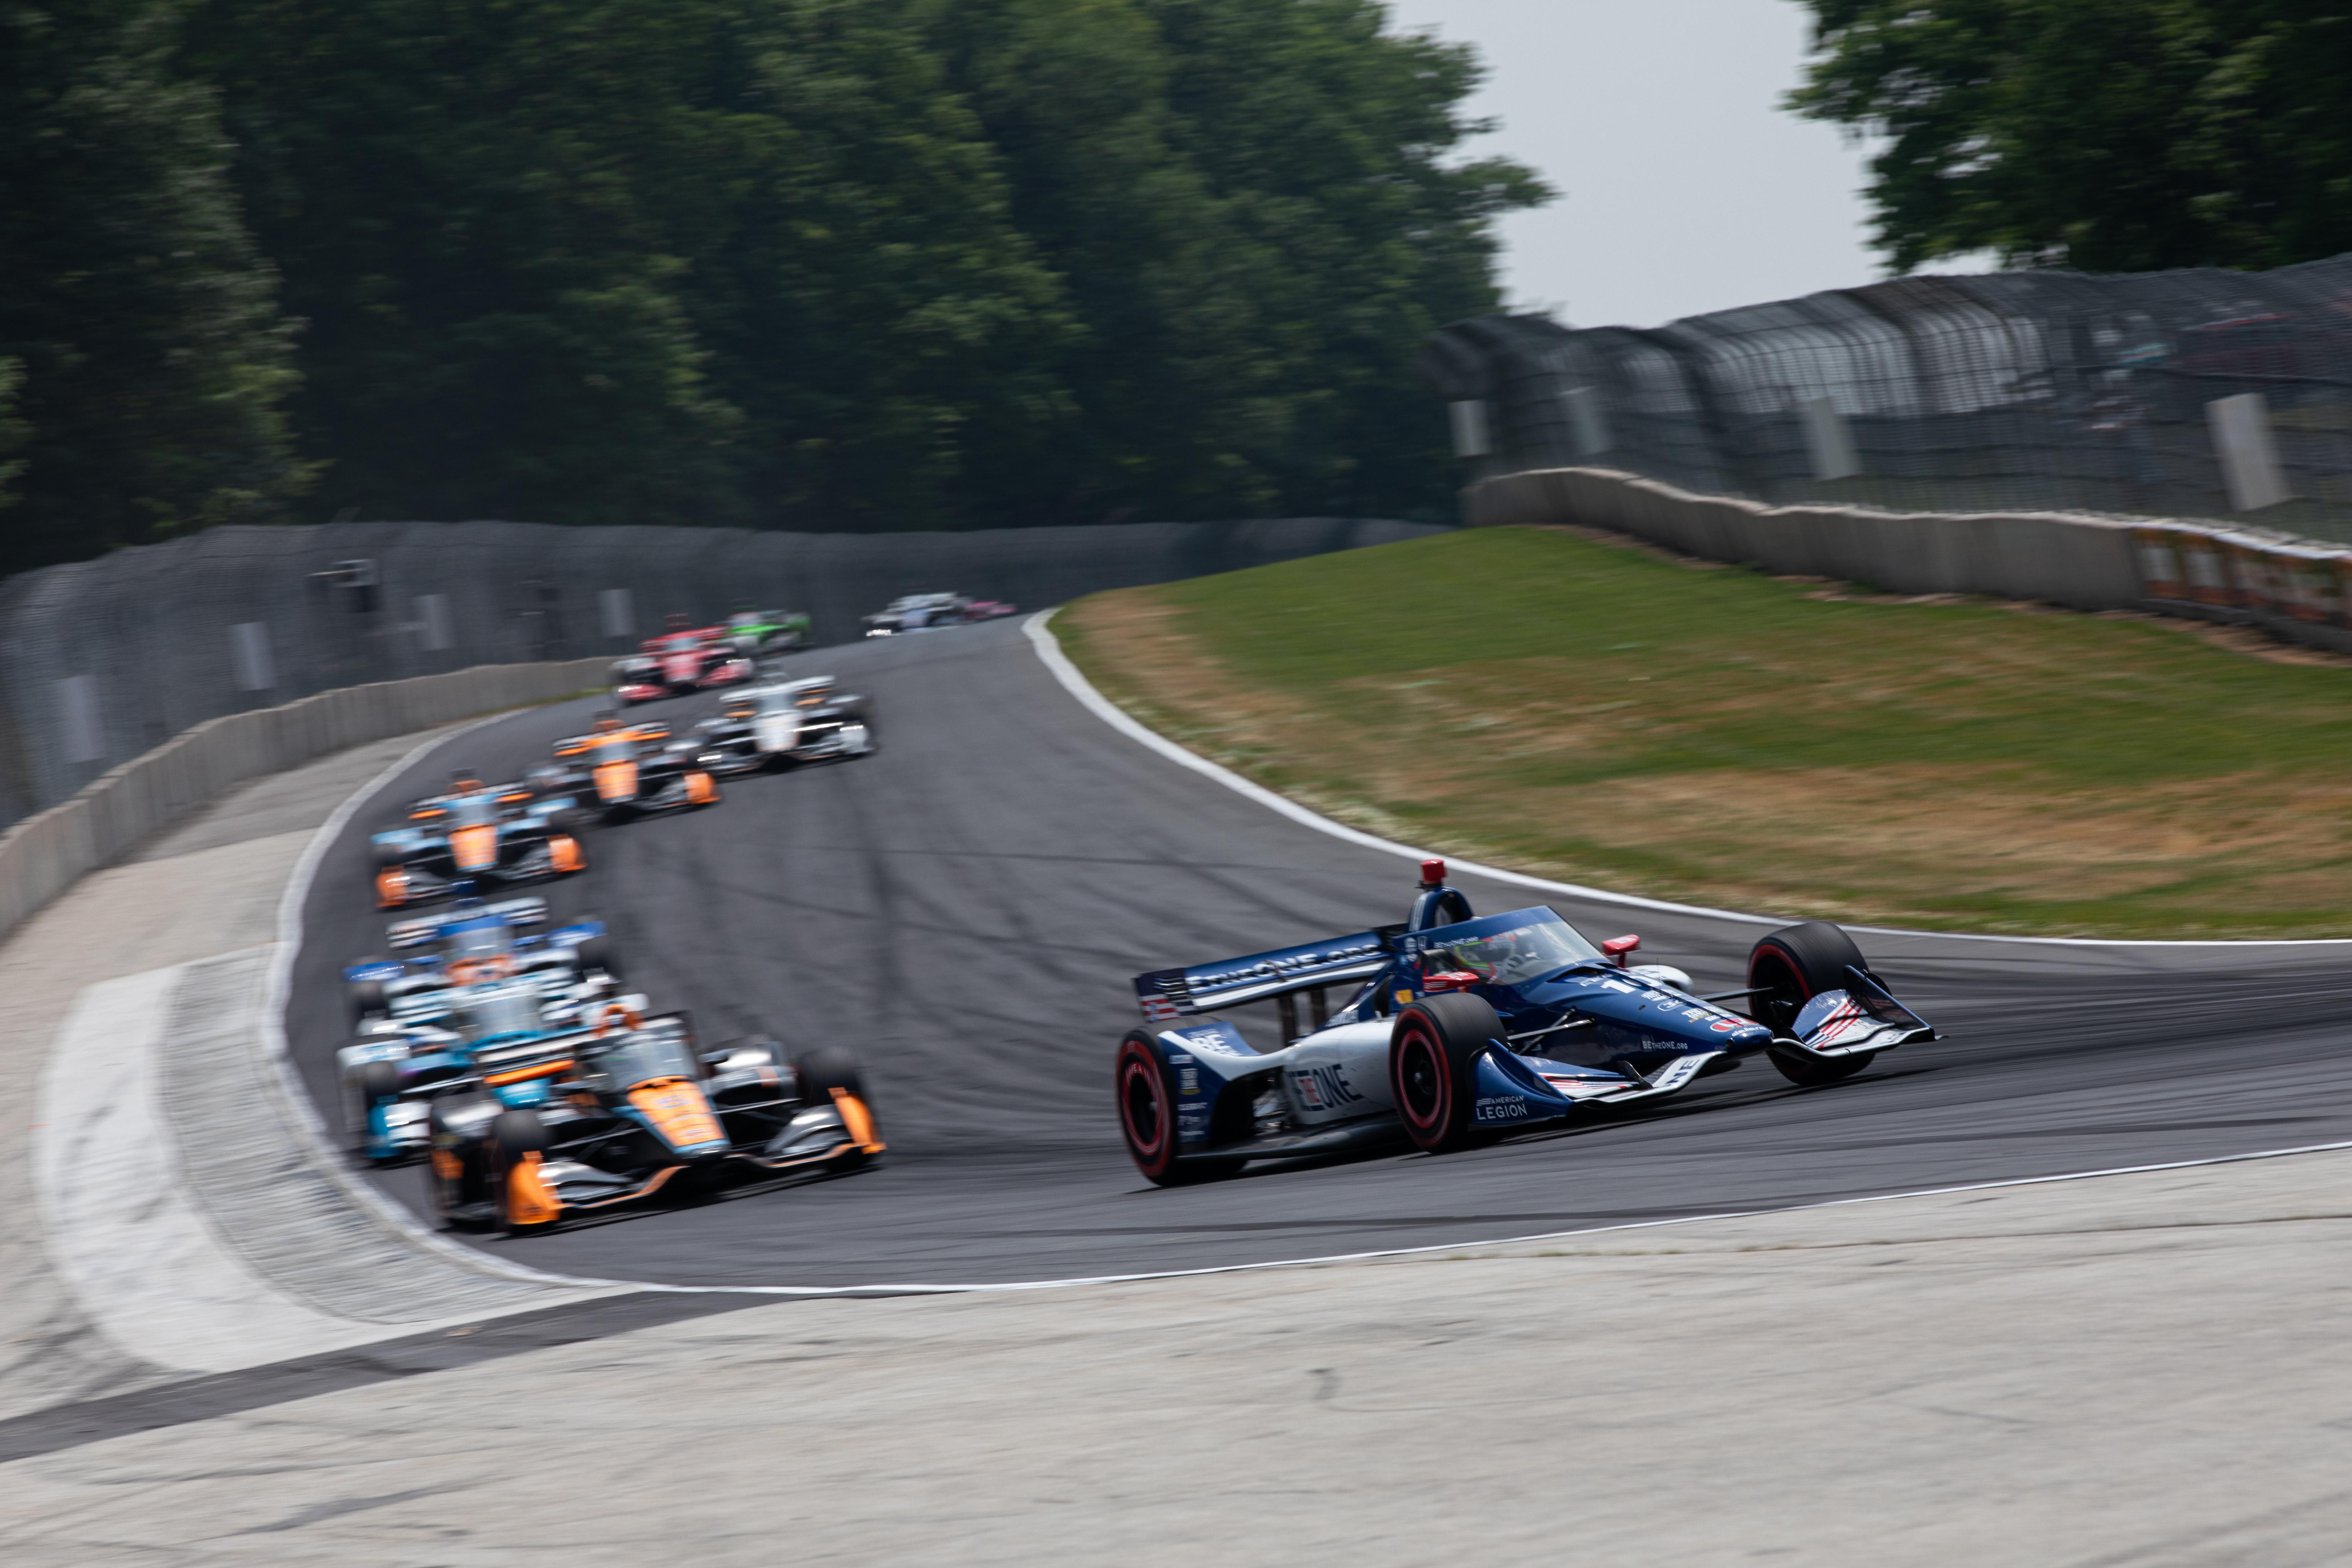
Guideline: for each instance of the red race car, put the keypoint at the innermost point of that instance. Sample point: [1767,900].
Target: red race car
[683,659]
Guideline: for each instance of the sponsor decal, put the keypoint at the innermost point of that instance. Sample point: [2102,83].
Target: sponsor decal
[1158,1010]
[1677,1073]
[1723,1025]
[1617,986]
[1323,1087]
[1208,1043]
[1187,1080]
[1500,1108]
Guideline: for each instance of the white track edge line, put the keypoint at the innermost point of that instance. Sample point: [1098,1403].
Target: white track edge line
[326,1151]
[1074,681]
[839,1292]
[1050,652]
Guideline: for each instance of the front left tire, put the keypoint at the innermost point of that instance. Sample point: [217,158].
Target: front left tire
[1792,966]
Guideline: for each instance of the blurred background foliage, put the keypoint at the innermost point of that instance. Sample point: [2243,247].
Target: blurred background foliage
[2104,135]
[827,264]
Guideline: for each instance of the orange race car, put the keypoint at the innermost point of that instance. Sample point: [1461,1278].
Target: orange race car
[551,1127]
[474,837]
[621,770]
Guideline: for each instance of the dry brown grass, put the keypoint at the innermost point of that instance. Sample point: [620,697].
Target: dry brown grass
[1575,766]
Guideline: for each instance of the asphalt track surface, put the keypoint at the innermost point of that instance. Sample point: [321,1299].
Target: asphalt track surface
[965,910]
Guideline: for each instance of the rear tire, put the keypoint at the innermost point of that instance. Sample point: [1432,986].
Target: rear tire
[1433,1051]
[444,1173]
[367,998]
[1795,965]
[379,1081]
[1147,1117]
[597,953]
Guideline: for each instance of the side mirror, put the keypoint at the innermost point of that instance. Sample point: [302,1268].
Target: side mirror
[1617,948]
[1452,980]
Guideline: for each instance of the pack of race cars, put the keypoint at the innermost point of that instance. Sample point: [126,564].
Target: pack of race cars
[510,1057]
[535,1087]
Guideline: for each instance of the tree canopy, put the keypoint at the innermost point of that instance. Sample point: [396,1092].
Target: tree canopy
[142,359]
[830,264]
[2109,135]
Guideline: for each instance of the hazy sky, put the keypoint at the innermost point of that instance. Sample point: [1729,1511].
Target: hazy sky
[1682,186]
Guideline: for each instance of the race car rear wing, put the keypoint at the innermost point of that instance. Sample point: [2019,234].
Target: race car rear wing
[1166,994]
[514,1059]
[426,930]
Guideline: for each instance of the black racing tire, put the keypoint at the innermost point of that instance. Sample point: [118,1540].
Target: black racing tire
[379,1081]
[1795,965]
[440,1197]
[597,953]
[1147,1117]
[367,999]
[514,1134]
[821,1071]
[444,1173]
[1434,1051]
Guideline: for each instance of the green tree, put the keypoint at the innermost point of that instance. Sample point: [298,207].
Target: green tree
[1253,209]
[14,432]
[143,327]
[2110,135]
[861,263]
[633,260]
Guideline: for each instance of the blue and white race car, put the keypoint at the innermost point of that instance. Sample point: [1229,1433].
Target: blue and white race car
[1464,1029]
[407,1011]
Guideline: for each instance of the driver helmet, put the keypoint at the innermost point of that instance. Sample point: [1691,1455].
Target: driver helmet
[1467,958]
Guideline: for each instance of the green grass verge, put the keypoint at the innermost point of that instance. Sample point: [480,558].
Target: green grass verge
[1600,713]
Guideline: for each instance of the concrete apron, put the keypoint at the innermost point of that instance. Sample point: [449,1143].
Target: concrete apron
[2138,1369]
[186,1222]
[2145,1369]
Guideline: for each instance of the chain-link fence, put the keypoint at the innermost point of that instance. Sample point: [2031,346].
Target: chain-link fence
[2202,394]
[104,659]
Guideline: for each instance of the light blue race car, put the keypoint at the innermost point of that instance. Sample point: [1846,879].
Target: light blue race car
[409,1012]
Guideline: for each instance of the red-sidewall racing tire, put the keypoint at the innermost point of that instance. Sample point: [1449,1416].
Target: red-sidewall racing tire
[1433,1051]
[1147,1117]
[1797,964]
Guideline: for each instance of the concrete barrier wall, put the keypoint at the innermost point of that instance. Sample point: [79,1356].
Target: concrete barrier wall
[103,660]
[2084,562]
[46,854]
[2294,588]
